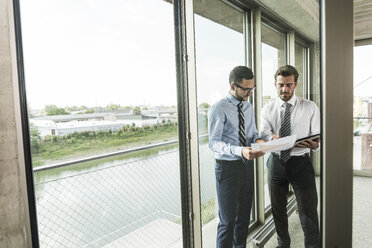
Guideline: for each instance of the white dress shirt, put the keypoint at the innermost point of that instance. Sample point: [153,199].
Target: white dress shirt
[305,120]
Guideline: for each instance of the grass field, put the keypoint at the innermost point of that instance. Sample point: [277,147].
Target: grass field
[59,149]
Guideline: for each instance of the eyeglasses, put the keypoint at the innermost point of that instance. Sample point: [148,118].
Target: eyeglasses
[244,89]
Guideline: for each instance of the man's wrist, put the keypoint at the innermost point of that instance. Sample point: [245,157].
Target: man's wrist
[238,151]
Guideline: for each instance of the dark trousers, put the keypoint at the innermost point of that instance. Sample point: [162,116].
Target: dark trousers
[234,181]
[299,172]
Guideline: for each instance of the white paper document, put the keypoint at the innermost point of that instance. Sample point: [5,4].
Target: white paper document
[275,145]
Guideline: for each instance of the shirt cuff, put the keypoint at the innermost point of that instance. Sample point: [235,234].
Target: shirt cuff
[238,151]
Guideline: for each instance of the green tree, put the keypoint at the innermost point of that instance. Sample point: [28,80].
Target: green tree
[89,111]
[113,107]
[82,107]
[136,110]
[54,110]
[35,139]
[204,105]
[71,109]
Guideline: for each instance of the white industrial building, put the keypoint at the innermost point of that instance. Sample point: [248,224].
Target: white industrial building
[48,127]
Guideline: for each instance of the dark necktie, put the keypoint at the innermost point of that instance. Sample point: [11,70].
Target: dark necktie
[285,130]
[242,138]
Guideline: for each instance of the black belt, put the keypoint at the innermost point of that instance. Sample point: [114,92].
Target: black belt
[306,155]
[230,162]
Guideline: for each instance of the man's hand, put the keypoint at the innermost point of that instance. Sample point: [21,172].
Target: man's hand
[275,136]
[249,154]
[260,141]
[312,144]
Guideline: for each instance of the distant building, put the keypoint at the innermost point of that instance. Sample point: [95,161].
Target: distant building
[366,155]
[61,125]
[48,127]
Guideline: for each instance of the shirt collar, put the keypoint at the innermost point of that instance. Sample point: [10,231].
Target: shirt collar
[292,101]
[233,100]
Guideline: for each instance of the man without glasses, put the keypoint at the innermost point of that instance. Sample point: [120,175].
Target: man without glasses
[286,116]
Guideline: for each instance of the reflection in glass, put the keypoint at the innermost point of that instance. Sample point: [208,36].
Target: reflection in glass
[219,45]
[362,108]
[362,155]
[273,56]
[301,66]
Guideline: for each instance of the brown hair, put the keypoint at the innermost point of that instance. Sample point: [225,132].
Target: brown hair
[286,71]
[240,72]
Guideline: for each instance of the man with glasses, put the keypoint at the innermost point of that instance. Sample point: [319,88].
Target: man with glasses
[232,129]
[286,116]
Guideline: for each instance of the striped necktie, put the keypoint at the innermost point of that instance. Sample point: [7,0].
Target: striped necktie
[242,138]
[285,130]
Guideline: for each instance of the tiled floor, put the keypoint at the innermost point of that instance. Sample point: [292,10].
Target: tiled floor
[362,221]
[362,216]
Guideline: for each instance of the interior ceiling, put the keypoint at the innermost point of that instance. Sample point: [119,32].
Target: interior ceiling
[302,15]
[363,20]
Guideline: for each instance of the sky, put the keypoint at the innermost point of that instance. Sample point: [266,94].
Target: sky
[92,53]
[363,71]
[95,53]
[218,50]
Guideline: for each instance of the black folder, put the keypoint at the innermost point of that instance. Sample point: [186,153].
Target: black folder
[311,137]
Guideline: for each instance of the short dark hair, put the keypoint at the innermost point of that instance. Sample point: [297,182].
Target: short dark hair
[238,73]
[286,71]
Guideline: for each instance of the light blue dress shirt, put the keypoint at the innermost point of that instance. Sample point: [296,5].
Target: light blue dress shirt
[223,127]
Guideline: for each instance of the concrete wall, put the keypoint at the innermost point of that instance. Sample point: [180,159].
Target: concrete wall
[14,220]
[303,15]
[363,20]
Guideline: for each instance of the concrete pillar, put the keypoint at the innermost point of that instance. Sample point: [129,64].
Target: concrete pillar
[14,218]
[337,34]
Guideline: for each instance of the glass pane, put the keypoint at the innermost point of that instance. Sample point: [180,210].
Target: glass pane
[273,56]
[301,66]
[362,108]
[300,170]
[362,146]
[219,43]
[101,82]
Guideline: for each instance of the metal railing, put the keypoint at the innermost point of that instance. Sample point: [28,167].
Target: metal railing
[106,155]
[115,202]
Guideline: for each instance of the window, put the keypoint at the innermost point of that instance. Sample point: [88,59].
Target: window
[273,49]
[301,63]
[101,80]
[362,109]
[220,46]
